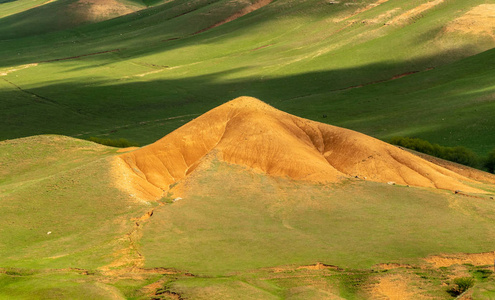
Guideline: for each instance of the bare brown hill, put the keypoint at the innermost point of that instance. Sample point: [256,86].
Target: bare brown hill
[248,132]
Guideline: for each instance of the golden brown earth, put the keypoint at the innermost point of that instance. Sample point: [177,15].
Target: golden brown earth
[478,21]
[248,132]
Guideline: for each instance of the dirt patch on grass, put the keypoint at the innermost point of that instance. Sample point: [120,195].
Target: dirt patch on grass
[477,259]
[248,132]
[98,10]
[318,266]
[391,266]
[478,21]
[129,259]
[380,19]
[414,13]
[394,287]
[246,10]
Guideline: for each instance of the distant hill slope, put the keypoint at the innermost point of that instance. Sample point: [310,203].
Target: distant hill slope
[250,133]
[62,15]
[384,68]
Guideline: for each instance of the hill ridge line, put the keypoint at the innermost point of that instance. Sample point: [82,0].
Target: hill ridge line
[251,133]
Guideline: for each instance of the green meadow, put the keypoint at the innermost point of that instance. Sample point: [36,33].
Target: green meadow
[223,226]
[142,75]
[67,232]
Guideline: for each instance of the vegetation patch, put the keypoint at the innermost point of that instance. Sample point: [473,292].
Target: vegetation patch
[461,285]
[459,154]
[490,162]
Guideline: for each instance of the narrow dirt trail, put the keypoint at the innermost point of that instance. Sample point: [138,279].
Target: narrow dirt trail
[129,259]
[78,56]
[241,13]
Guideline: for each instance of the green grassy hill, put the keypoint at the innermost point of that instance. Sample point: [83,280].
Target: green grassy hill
[68,232]
[60,208]
[142,75]
[223,226]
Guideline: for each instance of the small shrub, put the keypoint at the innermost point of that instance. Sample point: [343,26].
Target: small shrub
[490,162]
[461,285]
[459,155]
[482,274]
[119,143]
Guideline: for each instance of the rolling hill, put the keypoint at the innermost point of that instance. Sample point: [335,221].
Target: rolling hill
[244,201]
[295,198]
[246,131]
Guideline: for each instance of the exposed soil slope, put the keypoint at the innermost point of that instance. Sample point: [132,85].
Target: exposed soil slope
[477,259]
[98,10]
[248,132]
[478,21]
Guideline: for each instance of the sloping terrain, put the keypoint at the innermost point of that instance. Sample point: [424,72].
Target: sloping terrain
[248,132]
[234,232]
[58,205]
[346,60]
[232,219]
[477,21]
[61,15]
[241,200]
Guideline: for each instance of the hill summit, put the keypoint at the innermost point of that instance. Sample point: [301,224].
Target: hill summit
[248,132]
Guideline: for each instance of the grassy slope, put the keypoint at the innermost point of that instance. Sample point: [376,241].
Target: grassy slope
[56,285]
[450,105]
[295,56]
[51,16]
[233,225]
[16,6]
[59,185]
[226,233]
[223,226]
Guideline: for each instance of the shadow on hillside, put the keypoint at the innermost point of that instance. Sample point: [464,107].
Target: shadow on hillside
[429,104]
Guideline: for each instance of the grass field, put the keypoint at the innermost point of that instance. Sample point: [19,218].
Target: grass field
[137,75]
[235,233]
[59,207]
[224,226]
